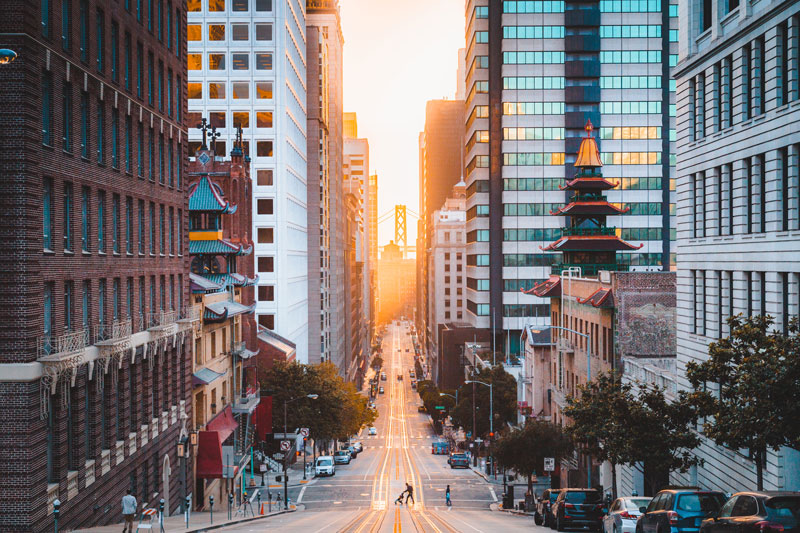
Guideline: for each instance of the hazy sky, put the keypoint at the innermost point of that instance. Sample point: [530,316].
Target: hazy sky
[397,56]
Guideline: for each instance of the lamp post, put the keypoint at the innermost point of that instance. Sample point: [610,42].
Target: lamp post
[285,457]
[56,505]
[491,411]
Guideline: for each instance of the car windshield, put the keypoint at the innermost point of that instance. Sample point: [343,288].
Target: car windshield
[699,502]
[583,497]
[323,462]
[342,452]
[553,496]
[635,503]
[784,510]
[458,456]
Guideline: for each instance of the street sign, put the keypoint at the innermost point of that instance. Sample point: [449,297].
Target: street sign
[440,407]
[262,467]
[304,432]
[277,456]
[286,445]
[549,464]
[479,440]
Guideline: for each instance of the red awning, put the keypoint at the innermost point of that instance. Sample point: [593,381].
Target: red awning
[223,423]
[209,455]
[264,418]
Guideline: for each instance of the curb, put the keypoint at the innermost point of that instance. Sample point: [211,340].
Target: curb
[242,521]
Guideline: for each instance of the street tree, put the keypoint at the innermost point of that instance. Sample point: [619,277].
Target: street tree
[504,402]
[749,388]
[524,449]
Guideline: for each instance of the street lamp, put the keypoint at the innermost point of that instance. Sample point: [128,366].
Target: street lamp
[285,457]
[491,412]
[7,56]
[56,505]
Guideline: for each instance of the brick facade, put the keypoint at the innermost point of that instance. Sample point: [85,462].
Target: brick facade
[68,100]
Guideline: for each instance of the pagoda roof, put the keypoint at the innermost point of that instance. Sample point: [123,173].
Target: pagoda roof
[201,284]
[593,207]
[599,298]
[205,195]
[593,243]
[588,153]
[218,247]
[220,311]
[549,288]
[235,279]
[598,183]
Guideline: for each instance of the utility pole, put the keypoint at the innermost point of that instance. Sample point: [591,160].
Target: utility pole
[474,449]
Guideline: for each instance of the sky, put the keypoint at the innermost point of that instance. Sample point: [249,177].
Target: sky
[397,56]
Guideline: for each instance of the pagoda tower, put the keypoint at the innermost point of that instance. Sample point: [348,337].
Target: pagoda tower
[587,242]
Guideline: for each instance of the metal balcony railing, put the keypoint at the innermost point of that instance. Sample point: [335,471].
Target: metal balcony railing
[588,231]
[66,344]
[161,319]
[565,345]
[117,330]
[247,401]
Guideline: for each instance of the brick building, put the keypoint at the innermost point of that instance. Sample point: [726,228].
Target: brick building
[94,367]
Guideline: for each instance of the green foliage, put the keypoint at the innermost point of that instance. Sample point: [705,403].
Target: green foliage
[377,362]
[749,388]
[339,411]
[524,449]
[613,423]
[504,401]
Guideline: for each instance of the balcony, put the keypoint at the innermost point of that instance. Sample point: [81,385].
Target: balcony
[565,345]
[189,316]
[247,401]
[583,232]
[53,348]
[588,269]
[117,331]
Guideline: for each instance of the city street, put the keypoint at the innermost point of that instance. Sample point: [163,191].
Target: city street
[360,497]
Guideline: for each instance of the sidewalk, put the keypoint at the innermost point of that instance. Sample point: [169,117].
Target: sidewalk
[199,521]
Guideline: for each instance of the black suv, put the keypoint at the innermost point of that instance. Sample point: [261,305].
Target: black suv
[579,508]
[679,510]
[542,515]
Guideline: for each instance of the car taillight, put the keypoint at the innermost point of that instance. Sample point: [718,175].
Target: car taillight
[673,517]
[569,506]
[767,526]
[626,514]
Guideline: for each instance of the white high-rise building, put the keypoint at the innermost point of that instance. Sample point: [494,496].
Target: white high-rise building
[247,68]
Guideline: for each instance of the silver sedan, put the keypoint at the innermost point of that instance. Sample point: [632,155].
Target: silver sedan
[623,514]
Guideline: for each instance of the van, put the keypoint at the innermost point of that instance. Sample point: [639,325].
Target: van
[324,466]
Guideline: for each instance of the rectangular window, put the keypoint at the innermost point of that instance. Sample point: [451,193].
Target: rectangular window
[68,306]
[264,119]
[747,177]
[744,84]
[152,228]
[86,305]
[759,77]
[240,32]
[151,78]
[141,227]
[47,214]
[67,216]
[101,302]
[84,29]
[160,86]
[139,70]
[169,92]
[150,15]
[115,138]
[266,264]
[66,113]
[85,192]
[161,168]
[162,236]
[263,5]
[101,143]
[129,297]
[160,15]
[171,226]
[140,150]
[749,292]
[169,25]
[264,149]
[762,193]
[785,302]
[66,24]
[101,221]
[128,61]
[128,143]
[784,187]
[263,32]
[241,61]
[762,293]
[115,223]
[47,109]
[179,223]
[266,235]
[100,30]
[114,51]
[264,177]
[264,90]
[152,153]
[85,125]
[129,225]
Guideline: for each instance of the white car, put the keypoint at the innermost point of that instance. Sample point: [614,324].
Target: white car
[623,514]
[324,466]
[373,431]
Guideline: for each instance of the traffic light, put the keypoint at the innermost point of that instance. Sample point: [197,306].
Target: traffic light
[491,435]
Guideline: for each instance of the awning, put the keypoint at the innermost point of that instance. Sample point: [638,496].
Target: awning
[209,455]
[226,309]
[201,284]
[204,376]
[223,423]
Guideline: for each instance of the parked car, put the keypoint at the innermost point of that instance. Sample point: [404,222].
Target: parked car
[679,510]
[458,460]
[623,514]
[373,431]
[756,512]
[353,451]
[324,466]
[579,508]
[413,385]
[422,409]
[342,457]
[542,516]
[383,376]
[358,446]
[380,390]
[411,374]
[399,377]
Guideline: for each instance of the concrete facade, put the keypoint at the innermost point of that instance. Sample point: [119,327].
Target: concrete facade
[325,181]
[248,68]
[738,195]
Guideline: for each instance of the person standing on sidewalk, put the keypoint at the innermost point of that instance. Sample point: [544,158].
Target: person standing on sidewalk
[447,496]
[410,493]
[129,506]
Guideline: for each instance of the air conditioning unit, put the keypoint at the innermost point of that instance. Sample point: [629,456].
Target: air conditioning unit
[605,276]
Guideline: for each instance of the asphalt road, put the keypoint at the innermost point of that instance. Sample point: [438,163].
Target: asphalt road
[361,496]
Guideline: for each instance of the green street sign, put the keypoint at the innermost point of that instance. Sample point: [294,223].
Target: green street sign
[440,407]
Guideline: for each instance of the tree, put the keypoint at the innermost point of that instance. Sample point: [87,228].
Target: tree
[377,362]
[599,420]
[613,422]
[524,449]
[504,403]
[749,388]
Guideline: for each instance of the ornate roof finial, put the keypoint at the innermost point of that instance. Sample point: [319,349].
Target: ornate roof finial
[239,137]
[588,153]
[203,126]
[588,128]
[214,136]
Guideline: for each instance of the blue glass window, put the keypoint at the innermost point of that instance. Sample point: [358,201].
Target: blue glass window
[47,214]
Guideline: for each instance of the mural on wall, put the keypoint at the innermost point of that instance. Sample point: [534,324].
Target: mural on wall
[645,316]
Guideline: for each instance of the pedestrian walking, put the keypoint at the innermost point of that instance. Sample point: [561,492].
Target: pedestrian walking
[447,496]
[400,498]
[129,506]
[410,493]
